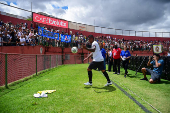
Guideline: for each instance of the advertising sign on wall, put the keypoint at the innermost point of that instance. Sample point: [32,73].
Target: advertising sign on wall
[49,21]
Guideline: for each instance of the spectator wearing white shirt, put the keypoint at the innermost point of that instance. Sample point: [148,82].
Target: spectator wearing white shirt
[168,54]
[110,59]
[19,33]
[23,27]
[31,33]
[22,40]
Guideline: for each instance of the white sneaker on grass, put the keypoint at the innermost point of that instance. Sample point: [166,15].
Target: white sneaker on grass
[108,84]
[88,84]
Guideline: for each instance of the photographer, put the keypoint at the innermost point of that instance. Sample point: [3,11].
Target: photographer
[157,69]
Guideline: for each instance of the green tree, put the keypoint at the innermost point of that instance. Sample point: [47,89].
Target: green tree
[29,19]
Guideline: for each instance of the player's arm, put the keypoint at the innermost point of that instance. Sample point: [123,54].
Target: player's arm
[90,55]
[149,62]
[129,55]
[90,49]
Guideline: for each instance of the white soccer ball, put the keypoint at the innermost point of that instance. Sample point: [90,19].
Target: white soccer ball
[74,50]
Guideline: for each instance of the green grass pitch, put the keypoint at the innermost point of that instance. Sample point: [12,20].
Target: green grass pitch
[72,96]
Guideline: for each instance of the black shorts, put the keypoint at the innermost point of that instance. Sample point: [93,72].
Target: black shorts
[154,76]
[95,65]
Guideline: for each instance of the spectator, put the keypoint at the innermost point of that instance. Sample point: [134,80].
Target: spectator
[19,33]
[1,39]
[5,39]
[116,56]
[31,25]
[23,27]
[22,40]
[1,23]
[33,41]
[110,60]
[18,41]
[157,69]
[168,53]
[125,55]
[31,33]
[26,25]
[103,54]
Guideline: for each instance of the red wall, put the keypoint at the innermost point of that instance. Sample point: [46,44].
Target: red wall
[55,50]
[22,49]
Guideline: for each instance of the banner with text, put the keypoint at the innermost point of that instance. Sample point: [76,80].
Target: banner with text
[49,21]
[48,34]
[51,35]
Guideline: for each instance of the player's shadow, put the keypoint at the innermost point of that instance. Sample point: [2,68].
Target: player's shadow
[132,76]
[102,89]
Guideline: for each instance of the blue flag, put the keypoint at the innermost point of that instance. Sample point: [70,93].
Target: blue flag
[62,38]
[40,31]
[68,40]
[56,36]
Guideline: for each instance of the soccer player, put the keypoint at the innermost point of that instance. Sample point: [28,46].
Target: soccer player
[98,61]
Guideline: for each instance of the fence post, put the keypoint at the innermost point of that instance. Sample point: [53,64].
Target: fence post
[56,60]
[50,61]
[36,65]
[62,55]
[75,58]
[6,70]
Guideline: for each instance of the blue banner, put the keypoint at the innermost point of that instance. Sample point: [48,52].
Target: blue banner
[52,35]
[62,38]
[68,40]
[40,31]
[56,36]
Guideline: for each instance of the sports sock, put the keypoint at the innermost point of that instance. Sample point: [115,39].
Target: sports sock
[107,76]
[90,76]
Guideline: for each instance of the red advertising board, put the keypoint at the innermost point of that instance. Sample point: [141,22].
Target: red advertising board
[49,21]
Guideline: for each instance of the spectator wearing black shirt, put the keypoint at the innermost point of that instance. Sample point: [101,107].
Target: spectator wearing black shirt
[1,39]
[1,23]
[18,41]
[31,25]
[5,39]
[13,38]
[26,25]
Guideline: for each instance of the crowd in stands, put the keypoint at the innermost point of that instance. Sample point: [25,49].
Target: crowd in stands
[23,35]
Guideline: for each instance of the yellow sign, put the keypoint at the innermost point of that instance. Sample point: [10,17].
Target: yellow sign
[157,49]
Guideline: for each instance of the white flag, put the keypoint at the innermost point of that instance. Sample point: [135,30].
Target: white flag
[157,49]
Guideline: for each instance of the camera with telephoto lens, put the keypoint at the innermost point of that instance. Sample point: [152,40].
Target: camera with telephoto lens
[151,57]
